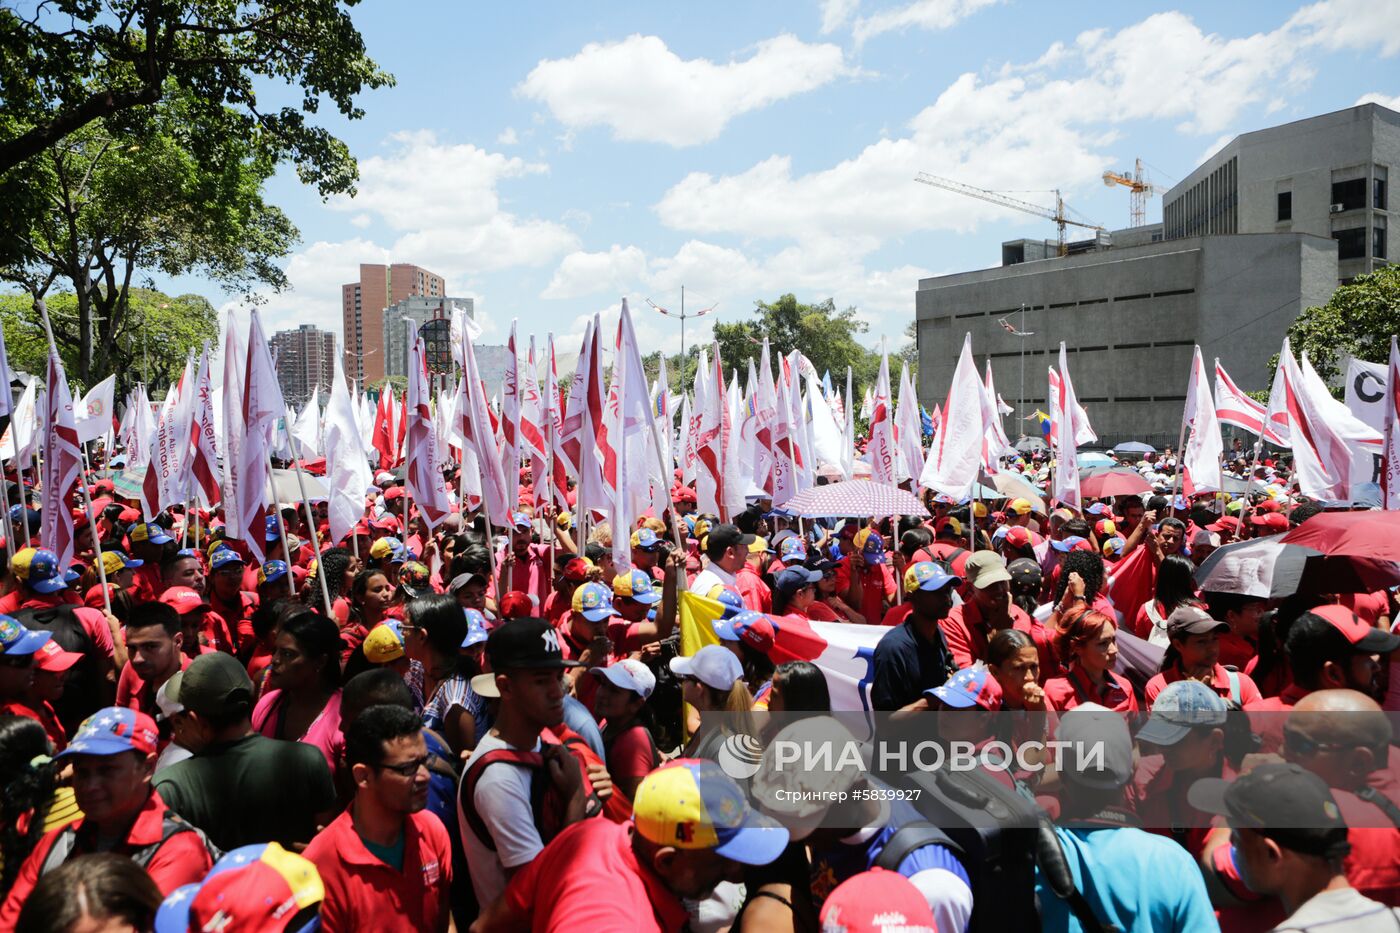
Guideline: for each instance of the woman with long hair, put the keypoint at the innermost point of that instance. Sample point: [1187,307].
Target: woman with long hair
[31,800]
[712,681]
[302,703]
[435,634]
[1176,583]
[1014,661]
[101,891]
[799,686]
[340,566]
[1086,641]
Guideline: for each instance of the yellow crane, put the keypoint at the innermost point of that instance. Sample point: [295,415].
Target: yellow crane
[1141,189]
[1057,214]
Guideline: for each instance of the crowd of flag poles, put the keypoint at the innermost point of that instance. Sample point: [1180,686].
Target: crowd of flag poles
[215,436]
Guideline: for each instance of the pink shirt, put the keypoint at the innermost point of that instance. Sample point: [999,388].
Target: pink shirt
[324,732]
[532,575]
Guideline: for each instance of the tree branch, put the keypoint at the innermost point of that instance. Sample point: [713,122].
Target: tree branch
[99,105]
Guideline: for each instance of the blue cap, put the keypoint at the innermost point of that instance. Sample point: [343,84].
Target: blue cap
[40,572]
[148,531]
[594,602]
[224,556]
[272,529]
[476,628]
[646,539]
[793,579]
[520,520]
[112,731]
[17,641]
[1181,706]
[1067,544]
[715,666]
[929,576]
[17,513]
[972,686]
[272,571]
[792,550]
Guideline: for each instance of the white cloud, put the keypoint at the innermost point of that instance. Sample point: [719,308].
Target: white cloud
[507,137]
[583,273]
[316,274]
[644,91]
[361,221]
[837,13]
[1350,24]
[922,14]
[1214,147]
[1375,98]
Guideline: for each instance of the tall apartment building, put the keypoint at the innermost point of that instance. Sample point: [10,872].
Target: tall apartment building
[305,360]
[362,311]
[418,309]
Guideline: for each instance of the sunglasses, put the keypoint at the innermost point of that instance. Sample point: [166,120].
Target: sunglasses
[1300,744]
[408,769]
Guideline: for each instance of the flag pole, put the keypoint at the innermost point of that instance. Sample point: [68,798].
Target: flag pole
[5,498]
[310,528]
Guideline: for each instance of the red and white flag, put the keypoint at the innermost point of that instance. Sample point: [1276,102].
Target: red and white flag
[425,456]
[955,457]
[1203,451]
[63,464]
[631,452]
[1234,408]
[998,444]
[93,414]
[203,459]
[1316,475]
[262,406]
[386,438]
[477,432]
[583,420]
[1390,468]
[711,440]
[348,475]
[165,481]
[763,398]
[234,362]
[1065,412]
[510,419]
[554,427]
[534,444]
[1084,434]
[883,455]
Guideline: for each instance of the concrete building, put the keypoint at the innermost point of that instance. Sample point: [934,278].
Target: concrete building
[362,311]
[1326,175]
[1264,229]
[305,360]
[417,309]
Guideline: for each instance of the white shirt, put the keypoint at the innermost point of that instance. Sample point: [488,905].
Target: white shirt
[1342,911]
[502,800]
[711,577]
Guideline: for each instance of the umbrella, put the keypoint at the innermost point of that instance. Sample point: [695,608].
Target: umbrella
[284,485]
[857,498]
[1135,447]
[1016,486]
[1095,460]
[1102,483]
[1028,445]
[1272,568]
[1355,534]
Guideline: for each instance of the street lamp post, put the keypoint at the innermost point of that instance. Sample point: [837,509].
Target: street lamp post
[682,315]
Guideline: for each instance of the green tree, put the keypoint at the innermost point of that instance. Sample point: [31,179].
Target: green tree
[1358,321]
[115,206]
[825,336]
[68,64]
[909,353]
[162,330]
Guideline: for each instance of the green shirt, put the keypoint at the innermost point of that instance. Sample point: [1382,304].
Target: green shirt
[391,855]
[251,790]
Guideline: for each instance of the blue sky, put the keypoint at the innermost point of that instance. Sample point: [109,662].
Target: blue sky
[549,159]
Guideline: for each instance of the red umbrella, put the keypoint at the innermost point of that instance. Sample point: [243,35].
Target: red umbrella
[1354,534]
[1112,481]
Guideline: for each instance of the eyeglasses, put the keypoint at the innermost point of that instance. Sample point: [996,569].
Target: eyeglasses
[408,769]
[1300,744]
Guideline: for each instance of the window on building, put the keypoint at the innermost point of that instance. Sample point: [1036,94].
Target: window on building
[1351,244]
[1285,205]
[1349,194]
[1378,194]
[1377,242]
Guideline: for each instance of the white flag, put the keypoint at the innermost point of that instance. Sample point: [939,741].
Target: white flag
[1064,411]
[1390,469]
[348,475]
[306,430]
[1202,455]
[94,413]
[956,455]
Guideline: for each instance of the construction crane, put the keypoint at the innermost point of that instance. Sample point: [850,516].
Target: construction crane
[1057,214]
[1141,189]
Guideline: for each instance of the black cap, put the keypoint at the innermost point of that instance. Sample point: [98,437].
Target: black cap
[1024,572]
[1284,802]
[525,644]
[724,537]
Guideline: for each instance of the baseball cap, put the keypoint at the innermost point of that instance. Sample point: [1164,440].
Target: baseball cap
[577,569]
[1193,620]
[1019,536]
[18,513]
[1024,572]
[1020,506]
[148,531]
[384,547]
[876,901]
[870,544]
[1269,506]
[477,629]
[114,730]
[384,643]
[462,579]
[1274,521]
[16,640]
[1181,706]
[1091,727]
[384,478]
[223,557]
[520,521]
[393,492]
[726,536]
[1105,528]
[752,628]
[1112,547]
[38,568]
[1284,802]
[759,545]
[272,529]
[415,579]
[638,585]
[116,561]
[525,644]
[594,602]
[1363,637]
[1205,538]
[214,684]
[793,579]
[792,550]
[1228,523]
[272,571]
[728,598]
[260,887]
[386,522]
[929,576]
[1072,543]
[51,657]
[691,804]
[715,666]
[516,605]
[948,524]
[183,600]
[972,686]
[986,568]
[628,674]
[646,539]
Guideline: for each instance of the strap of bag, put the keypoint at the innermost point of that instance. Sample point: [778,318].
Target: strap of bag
[1234,685]
[1388,806]
[908,838]
[531,760]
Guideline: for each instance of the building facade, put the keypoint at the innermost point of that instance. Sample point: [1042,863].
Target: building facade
[418,310]
[305,361]
[362,312]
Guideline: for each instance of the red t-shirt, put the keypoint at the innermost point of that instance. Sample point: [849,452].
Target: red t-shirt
[44,717]
[897,614]
[135,693]
[1268,715]
[588,878]
[364,893]
[877,588]
[821,612]
[1219,682]
[631,754]
[757,597]
[1073,688]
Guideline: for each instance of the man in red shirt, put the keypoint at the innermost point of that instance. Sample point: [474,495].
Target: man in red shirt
[113,755]
[864,577]
[153,642]
[183,568]
[749,580]
[691,829]
[968,628]
[205,630]
[385,862]
[525,566]
[228,598]
[575,573]
[148,541]
[647,548]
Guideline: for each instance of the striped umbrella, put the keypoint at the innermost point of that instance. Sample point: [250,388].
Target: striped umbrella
[857,498]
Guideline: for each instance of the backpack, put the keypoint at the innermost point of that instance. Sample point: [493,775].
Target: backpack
[546,803]
[82,694]
[171,824]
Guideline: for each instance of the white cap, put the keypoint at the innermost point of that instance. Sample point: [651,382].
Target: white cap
[628,674]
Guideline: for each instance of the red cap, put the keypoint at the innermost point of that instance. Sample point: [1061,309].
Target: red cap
[393,492]
[1274,521]
[183,600]
[1269,505]
[53,658]
[1227,523]
[388,522]
[93,597]
[684,494]
[577,569]
[1019,536]
[875,901]
[1364,637]
[516,605]
[129,515]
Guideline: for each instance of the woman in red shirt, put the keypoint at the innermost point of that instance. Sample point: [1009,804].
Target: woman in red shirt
[620,708]
[1087,642]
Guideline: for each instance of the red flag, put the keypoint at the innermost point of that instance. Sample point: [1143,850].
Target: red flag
[554,415]
[712,440]
[384,438]
[203,458]
[510,419]
[63,464]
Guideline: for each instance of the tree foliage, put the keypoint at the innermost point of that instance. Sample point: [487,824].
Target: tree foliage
[1358,321]
[160,331]
[68,64]
[824,335]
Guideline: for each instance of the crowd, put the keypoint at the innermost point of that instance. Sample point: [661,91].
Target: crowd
[497,729]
